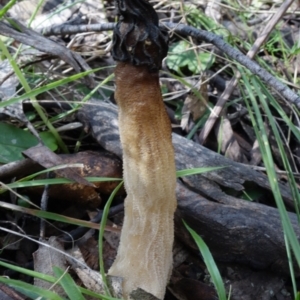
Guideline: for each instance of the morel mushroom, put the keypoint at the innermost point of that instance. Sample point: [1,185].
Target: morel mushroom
[144,256]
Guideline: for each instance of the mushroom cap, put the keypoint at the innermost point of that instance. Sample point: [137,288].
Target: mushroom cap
[137,37]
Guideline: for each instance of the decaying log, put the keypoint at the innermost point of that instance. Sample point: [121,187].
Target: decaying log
[242,232]
[234,229]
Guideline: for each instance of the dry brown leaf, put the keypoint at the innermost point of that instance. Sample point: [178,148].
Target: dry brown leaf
[193,106]
[229,145]
[45,258]
[92,279]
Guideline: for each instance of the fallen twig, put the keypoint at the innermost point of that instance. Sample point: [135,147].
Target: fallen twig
[201,35]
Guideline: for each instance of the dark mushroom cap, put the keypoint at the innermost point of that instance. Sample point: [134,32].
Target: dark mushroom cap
[137,36]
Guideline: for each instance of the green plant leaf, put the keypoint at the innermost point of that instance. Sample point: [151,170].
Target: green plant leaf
[209,262]
[195,17]
[182,56]
[14,140]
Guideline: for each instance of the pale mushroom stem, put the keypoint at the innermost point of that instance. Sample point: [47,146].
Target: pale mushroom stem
[144,256]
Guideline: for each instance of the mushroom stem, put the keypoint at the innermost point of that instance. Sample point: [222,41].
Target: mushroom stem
[144,256]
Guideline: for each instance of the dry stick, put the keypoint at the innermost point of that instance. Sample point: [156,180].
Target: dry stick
[216,112]
[209,37]
[13,168]
[74,29]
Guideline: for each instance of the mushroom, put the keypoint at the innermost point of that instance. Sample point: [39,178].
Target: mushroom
[144,257]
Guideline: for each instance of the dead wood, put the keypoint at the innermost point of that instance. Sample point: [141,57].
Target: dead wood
[239,232]
[235,230]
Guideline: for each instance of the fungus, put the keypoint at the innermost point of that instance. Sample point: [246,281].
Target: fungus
[144,257]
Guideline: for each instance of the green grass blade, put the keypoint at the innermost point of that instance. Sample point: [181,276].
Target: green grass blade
[51,279]
[7,6]
[42,182]
[68,284]
[35,12]
[209,262]
[49,215]
[59,167]
[291,266]
[51,181]
[195,171]
[258,86]
[29,290]
[101,233]
[48,87]
[28,272]
[262,137]
[294,130]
